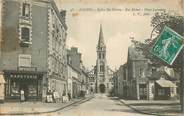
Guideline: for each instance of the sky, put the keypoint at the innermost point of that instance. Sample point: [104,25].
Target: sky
[120,21]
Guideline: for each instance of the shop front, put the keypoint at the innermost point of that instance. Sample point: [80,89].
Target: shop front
[164,89]
[143,91]
[31,82]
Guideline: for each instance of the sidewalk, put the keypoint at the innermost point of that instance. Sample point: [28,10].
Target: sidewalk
[17,108]
[155,107]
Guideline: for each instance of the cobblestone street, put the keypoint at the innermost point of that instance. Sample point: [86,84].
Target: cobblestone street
[100,105]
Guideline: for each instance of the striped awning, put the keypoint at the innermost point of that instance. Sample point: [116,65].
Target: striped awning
[2,79]
[165,83]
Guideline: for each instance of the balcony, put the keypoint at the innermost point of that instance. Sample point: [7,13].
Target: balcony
[25,20]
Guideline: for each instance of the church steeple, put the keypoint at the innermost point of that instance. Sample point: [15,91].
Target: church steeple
[101,42]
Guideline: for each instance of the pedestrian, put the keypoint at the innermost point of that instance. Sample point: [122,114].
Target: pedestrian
[69,96]
[22,96]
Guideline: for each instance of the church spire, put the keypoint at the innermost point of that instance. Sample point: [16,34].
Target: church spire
[101,42]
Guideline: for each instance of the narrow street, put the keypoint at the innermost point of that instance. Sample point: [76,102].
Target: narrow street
[100,105]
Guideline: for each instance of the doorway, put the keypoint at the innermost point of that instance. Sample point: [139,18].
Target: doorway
[102,88]
[24,87]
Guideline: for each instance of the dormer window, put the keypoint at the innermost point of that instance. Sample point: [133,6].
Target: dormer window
[26,10]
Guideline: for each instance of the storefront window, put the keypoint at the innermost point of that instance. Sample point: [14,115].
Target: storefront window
[32,90]
[161,92]
[15,88]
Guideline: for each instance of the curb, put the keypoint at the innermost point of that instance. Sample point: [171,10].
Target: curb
[142,112]
[43,112]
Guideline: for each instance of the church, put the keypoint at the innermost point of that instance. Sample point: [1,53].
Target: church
[101,75]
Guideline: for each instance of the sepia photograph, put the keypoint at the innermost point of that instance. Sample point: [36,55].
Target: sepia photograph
[92,57]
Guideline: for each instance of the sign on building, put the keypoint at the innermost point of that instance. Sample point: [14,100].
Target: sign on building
[168,45]
[24,60]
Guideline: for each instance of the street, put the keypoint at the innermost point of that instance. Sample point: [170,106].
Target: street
[100,105]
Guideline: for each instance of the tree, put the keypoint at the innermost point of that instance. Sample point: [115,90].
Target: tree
[158,21]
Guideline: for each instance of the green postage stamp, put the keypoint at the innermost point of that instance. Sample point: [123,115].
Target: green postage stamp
[168,45]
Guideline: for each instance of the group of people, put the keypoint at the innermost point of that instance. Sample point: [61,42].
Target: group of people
[53,96]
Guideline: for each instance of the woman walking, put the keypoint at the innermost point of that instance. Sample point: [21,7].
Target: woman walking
[22,97]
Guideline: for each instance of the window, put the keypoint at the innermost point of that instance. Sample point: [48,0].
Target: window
[153,70]
[25,34]
[99,55]
[140,72]
[161,91]
[153,89]
[26,10]
[103,55]
[101,68]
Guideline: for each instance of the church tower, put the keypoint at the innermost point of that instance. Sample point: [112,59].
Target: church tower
[101,64]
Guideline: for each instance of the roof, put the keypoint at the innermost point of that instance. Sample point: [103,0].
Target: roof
[165,83]
[135,54]
[62,20]
[158,74]
[73,68]
[101,42]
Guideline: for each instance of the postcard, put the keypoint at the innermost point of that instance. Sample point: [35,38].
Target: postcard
[92,57]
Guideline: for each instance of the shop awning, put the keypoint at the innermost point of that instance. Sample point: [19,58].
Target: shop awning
[2,79]
[165,83]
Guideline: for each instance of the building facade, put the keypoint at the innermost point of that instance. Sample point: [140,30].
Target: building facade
[163,84]
[73,83]
[75,61]
[33,54]
[139,79]
[92,80]
[104,74]
[121,88]
[138,74]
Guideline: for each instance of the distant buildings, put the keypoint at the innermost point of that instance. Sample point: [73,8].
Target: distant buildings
[78,79]
[92,80]
[138,79]
[33,52]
